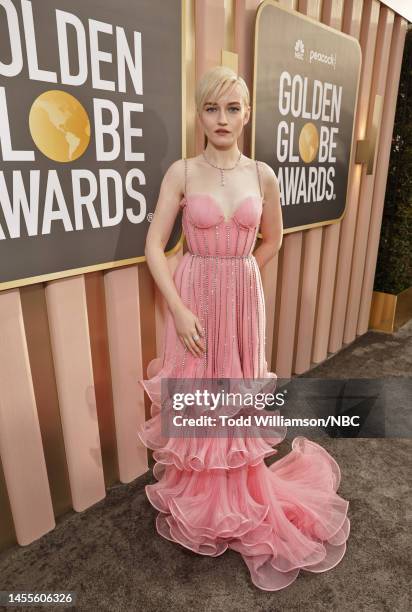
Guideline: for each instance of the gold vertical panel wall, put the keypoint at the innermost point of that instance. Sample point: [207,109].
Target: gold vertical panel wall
[71,350]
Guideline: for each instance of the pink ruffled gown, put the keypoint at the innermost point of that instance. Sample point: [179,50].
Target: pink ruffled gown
[218,493]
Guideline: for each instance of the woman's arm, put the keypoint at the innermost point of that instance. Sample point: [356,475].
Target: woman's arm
[271,225]
[167,208]
[164,216]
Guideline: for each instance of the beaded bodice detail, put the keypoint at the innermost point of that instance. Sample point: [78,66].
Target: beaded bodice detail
[209,233]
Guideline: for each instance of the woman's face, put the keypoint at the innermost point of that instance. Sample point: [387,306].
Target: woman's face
[223,119]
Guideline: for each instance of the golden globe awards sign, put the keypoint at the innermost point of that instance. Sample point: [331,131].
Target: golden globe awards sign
[306,78]
[90,119]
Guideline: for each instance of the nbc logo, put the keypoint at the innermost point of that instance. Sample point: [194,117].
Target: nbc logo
[299,49]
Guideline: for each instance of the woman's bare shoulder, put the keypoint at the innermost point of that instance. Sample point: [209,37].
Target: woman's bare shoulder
[177,168]
[194,160]
[270,183]
[174,176]
[267,171]
[264,166]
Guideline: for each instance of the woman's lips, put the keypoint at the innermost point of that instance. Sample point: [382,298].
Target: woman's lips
[222,132]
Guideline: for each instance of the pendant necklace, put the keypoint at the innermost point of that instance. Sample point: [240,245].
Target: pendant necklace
[222,170]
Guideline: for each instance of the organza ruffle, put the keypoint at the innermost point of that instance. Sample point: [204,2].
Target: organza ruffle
[230,450]
[217,493]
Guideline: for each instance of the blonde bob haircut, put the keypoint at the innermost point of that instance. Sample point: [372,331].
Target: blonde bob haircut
[218,81]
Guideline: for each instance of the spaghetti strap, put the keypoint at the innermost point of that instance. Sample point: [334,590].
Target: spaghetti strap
[258,173]
[183,200]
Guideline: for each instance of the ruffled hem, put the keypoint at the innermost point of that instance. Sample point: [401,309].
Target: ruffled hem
[199,453]
[217,493]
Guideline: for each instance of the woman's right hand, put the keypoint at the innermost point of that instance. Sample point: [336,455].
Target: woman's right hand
[188,325]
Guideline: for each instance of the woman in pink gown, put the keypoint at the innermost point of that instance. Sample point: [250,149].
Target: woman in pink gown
[214,493]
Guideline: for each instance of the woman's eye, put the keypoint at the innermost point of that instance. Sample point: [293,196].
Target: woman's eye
[232,108]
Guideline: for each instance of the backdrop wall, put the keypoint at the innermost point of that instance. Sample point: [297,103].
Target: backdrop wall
[72,349]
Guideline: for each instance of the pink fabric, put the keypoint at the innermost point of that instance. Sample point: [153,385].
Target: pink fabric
[218,493]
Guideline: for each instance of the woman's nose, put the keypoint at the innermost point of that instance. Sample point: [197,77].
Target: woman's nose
[222,117]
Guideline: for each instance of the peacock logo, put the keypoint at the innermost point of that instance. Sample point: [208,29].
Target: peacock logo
[299,49]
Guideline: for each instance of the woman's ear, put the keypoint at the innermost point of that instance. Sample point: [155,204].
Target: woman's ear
[247,115]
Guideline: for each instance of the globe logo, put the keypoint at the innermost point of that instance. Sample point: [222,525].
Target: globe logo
[308,142]
[59,126]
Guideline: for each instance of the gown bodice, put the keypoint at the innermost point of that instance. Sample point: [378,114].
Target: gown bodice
[209,233]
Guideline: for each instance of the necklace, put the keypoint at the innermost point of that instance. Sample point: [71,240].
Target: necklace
[222,178]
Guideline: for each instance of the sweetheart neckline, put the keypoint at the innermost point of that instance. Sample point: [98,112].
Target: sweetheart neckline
[236,208]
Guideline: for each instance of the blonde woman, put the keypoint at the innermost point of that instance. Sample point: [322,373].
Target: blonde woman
[215,493]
